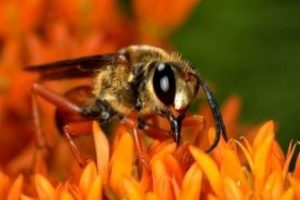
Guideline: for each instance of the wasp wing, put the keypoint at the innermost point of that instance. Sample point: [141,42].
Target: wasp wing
[76,68]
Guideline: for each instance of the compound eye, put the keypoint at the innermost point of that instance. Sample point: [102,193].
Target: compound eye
[164,83]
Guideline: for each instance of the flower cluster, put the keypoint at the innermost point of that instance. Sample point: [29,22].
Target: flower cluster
[34,31]
[239,169]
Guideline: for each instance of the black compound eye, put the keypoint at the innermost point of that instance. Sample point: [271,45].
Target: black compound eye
[164,83]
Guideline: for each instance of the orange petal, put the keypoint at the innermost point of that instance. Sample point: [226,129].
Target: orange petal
[161,181]
[231,189]
[230,111]
[65,196]
[210,169]
[102,151]
[120,131]
[211,197]
[247,145]
[121,163]
[276,159]
[24,197]
[290,154]
[288,195]
[231,167]
[273,187]
[191,190]
[263,144]
[264,131]
[154,13]
[146,180]
[151,196]
[164,150]
[44,189]
[4,185]
[88,176]
[16,189]
[173,168]
[132,189]
[248,155]
[95,191]
[217,151]
[297,168]
[296,185]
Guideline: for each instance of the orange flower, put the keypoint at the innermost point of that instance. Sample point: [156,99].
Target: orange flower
[34,31]
[263,176]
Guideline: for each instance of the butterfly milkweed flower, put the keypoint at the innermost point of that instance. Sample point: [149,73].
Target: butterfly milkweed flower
[184,172]
[35,31]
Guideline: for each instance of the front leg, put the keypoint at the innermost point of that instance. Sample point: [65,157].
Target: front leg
[175,123]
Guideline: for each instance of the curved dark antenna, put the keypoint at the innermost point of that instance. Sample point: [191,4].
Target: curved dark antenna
[219,124]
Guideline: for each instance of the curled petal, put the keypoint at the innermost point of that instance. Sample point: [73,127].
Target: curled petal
[290,154]
[247,154]
[210,169]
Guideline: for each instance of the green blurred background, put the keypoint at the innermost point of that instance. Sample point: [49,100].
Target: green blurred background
[250,48]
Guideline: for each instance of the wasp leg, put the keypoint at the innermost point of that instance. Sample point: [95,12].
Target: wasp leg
[132,123]
[153,131]
[162,134]
[69,131]
[61,103]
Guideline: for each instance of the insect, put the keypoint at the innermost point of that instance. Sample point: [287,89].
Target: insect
[137,79]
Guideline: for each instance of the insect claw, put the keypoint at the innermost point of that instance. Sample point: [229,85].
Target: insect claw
[176,128]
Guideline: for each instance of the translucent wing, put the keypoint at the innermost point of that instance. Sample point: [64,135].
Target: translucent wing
[76,68]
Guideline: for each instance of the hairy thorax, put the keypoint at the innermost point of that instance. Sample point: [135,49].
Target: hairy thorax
[112,86]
